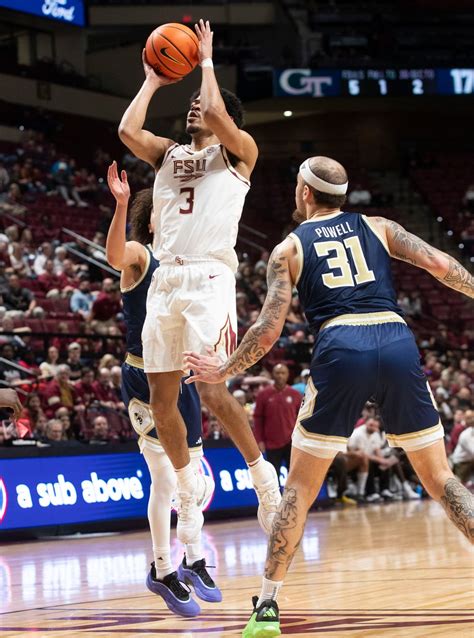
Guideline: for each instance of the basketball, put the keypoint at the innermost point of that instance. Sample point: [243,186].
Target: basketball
[172,50]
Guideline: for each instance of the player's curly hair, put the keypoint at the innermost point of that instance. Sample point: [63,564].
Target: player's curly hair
[233,105]
[140,215]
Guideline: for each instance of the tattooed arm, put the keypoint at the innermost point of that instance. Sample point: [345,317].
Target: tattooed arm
[410,248]
[259,339]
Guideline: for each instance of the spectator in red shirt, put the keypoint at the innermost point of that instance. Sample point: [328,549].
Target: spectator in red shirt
[85,387]
[60,391]
[50,281]
[104,390]
[275,416]
[105,308]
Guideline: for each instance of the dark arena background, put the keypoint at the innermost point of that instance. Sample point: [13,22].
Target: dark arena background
[384,87]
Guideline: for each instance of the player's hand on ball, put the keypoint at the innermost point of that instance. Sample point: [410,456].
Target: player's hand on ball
[204,367]
[205,35]
[155,78]
[118,187]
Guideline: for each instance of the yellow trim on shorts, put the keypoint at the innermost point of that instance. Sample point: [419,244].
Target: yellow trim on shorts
[376,232]
[300,255]
[321,437]
[135,361]
[142,276]
[364,319]
[414,435]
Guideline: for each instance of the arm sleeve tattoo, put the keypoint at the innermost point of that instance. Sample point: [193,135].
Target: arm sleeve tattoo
[261,336]
[410,248]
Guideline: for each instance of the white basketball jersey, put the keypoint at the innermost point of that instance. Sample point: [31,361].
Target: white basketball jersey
[198,199]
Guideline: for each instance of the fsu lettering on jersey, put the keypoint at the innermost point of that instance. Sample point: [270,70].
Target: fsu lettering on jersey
[198,199]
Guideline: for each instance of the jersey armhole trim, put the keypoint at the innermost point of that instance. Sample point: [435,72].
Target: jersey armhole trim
[234,172]
[168,151]
[300,255]
[142,276]
[373,228]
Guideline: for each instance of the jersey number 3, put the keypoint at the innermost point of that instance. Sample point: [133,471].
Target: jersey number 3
[189,201]
[340,262]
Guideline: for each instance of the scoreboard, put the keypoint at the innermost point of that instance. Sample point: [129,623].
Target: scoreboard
[373,82]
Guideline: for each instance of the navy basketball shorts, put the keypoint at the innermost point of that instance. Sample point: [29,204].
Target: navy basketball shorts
[353,364]
[136,396]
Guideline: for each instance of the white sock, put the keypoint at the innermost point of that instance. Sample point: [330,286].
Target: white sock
[163,565]
[193,553]
[361,482]
[259,471]
[163,486]
[186,478]
[270,589]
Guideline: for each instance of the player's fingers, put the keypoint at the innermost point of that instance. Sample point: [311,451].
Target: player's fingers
[198,31]
[124,176]
[191,379]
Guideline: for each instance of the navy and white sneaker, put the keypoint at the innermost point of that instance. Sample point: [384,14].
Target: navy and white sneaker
[198,576]
[177,597]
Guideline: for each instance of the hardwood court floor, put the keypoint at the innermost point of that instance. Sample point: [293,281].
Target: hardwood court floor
[398,570]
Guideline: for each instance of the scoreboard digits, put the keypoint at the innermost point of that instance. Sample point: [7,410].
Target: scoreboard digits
[374,82]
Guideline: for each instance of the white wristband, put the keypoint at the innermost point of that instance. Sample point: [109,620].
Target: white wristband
[207,63]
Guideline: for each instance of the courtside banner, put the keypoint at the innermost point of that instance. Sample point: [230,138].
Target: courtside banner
[60,490]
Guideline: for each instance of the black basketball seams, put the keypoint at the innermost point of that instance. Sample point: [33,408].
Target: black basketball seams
[159,57]
[175,47]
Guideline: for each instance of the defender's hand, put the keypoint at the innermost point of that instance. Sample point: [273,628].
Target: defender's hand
[153,77]
[9,399]
[205,35]
[205,368]
[118,187]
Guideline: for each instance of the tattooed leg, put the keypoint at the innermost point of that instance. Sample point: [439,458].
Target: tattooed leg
[459,505]
[432,467]
[306,475]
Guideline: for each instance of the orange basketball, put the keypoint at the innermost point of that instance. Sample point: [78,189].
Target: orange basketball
[172,50]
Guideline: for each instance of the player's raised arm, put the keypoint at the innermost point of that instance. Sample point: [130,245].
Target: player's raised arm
[121,253]
[410,248]
[144,144]
[259,339]
[236,141]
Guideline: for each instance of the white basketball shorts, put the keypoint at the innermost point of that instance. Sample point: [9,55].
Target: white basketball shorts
[190,306]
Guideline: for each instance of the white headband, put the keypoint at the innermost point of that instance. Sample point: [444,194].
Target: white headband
[319,184]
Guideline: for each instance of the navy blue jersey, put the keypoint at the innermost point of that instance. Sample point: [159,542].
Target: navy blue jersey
[345,268]
[134,306]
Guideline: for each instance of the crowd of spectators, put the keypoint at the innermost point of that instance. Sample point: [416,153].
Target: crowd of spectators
[61,340]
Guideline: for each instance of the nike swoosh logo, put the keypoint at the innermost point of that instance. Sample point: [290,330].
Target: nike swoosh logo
[164,53]
[214,276]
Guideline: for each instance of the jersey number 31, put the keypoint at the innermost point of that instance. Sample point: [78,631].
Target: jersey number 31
[340,262]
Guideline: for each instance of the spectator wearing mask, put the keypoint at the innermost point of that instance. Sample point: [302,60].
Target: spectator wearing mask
[275,415]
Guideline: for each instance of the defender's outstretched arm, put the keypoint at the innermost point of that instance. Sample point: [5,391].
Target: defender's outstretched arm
[119,252]
[410,248]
